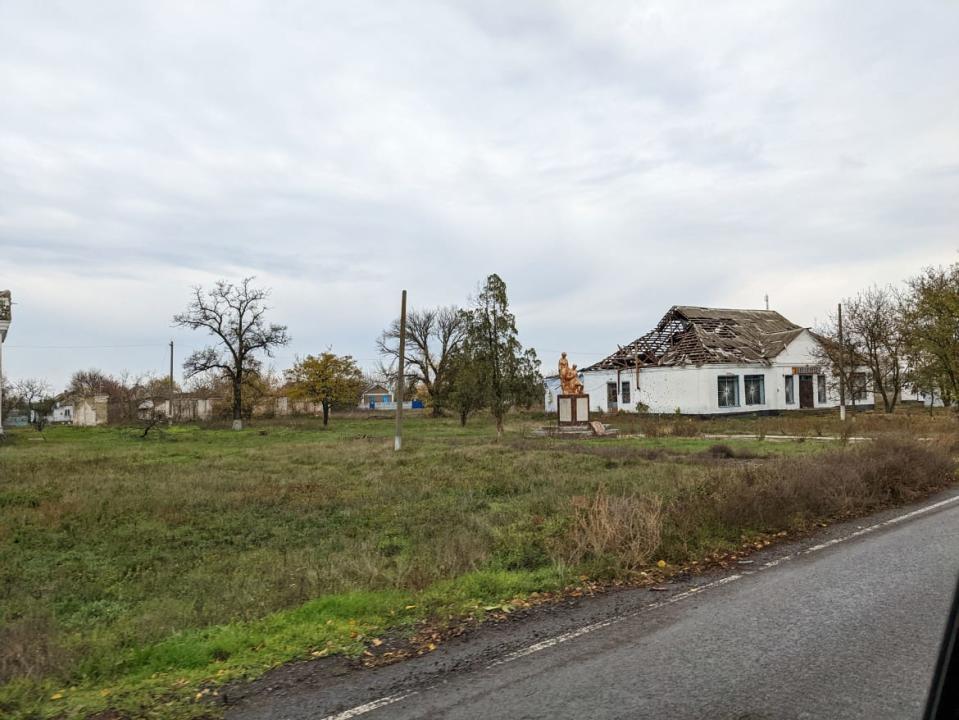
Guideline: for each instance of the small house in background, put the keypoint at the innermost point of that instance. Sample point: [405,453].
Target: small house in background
[376,396]
[705,361]
[61,414]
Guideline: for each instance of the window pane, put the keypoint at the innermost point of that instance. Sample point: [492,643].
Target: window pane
[728,391]
[790,389]
[755,389]
[858,386]
[625,392]
[821,379]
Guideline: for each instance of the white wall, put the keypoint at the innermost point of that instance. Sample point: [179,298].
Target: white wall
[88,412]
[62,414]
[553,388]
[693,389]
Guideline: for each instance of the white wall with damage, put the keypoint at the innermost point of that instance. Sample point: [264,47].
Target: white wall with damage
[694,390]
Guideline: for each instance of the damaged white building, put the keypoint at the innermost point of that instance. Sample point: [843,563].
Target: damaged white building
[704,361]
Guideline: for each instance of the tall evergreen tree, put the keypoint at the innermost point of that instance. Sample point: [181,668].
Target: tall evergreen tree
[507,374]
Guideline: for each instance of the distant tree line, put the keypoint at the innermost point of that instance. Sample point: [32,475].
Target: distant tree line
[906,338]
[458,360]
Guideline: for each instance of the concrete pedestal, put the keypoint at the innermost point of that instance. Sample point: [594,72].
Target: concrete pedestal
[572,409]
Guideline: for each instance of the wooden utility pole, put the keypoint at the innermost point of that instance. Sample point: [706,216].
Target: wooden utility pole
[400,378]
[169,414]
[842,370]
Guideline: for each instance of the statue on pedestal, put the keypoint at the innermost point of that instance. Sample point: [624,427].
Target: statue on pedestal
[569,378]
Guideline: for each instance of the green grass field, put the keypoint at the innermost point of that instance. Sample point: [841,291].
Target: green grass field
[136,571]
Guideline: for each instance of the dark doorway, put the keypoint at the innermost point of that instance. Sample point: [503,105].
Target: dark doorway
[806,391]
[612,403]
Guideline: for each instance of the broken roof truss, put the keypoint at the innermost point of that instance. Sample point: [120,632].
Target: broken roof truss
[697,336]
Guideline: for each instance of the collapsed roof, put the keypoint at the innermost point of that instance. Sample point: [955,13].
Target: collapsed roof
[697,336]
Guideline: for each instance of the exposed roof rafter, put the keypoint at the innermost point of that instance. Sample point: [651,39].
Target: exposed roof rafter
[690,335]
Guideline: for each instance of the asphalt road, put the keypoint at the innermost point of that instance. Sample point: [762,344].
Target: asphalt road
[849,630]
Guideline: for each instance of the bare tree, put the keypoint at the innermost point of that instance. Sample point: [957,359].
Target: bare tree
[86,383]
[432,337]
[35,394]
[235,315]
[125,392]
[873,339]
[7,398]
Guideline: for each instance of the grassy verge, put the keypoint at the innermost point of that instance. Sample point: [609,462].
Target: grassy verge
[136,573]
[908,420]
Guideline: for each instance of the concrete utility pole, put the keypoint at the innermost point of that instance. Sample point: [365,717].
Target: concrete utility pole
[6,314]
[2,333]
[169,415]
[400,379]
[842,372]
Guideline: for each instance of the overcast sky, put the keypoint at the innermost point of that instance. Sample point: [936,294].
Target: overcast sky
[607,159]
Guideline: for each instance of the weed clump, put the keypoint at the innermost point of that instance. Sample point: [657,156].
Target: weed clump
[624,530]
[704,514]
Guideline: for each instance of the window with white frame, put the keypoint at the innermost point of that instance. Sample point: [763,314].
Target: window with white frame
[859,387]
[728,387]
[755,388]
[790,381]
[821,389]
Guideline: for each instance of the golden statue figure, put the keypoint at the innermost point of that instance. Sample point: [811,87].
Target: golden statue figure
[569,378]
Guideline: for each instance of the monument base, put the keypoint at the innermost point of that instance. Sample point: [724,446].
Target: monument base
[572,409]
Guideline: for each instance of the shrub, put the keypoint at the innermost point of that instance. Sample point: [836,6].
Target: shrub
[792,492]
[623,531]
[28,648]
[721,450]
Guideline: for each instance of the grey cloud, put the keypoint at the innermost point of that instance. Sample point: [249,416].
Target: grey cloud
[610,160]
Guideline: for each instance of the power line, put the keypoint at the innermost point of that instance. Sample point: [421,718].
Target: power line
[82,347]
[573,352]
[275,355]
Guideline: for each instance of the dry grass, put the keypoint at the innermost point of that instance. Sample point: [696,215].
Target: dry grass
[781,495]
[626,529]
[127,563]
[28,648]
[624,532]
[906,421]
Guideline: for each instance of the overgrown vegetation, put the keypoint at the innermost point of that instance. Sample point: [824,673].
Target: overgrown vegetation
[134,572]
